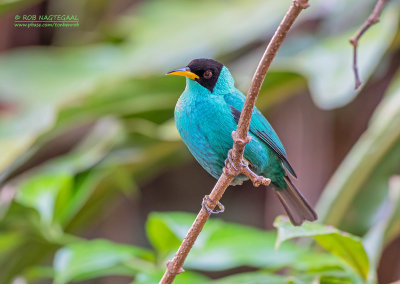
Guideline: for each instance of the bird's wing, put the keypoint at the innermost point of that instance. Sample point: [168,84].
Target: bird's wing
[260,127]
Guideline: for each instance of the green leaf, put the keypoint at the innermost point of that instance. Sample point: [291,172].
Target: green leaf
[9,241]
[260,277]
[84,187]
[41,192]
[344,245]
[338,277]
[187,277]
[221,250]
[253,278]
[163,235]
[49,189]
[91,259]
[35,273]
[318,262]
[217,246]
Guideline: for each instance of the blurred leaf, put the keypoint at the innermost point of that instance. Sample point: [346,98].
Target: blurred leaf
[393,222]
[317,262]
[353,177]
[19,132]
[105,134]
[38,272]
[277,87]
[50,192]
[29,252]
[161,236]
[55,77]
[40,192]
[187,277]
[327,63]
[221,251]
[209,38]
[254,278]
[129,98]
[260,277]
[366,160]
[9,241]
[338,278]
[322,56]
[57,191]
[386,229]
[82,192]
[367,207]
[217,246]
[346,246]
[91,259]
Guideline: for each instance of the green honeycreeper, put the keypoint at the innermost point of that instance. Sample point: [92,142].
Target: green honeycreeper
[206,114]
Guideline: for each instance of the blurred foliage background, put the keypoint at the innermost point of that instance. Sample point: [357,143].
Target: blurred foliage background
[90,155]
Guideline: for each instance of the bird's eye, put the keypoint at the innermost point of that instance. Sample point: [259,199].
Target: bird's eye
[207,74]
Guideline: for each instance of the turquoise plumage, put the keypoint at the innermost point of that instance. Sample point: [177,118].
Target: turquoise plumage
[206,114]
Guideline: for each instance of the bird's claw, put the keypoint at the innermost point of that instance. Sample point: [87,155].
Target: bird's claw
[242,164]
[259,180]
[255,179]
[229,159]
[208,209]
[245,169]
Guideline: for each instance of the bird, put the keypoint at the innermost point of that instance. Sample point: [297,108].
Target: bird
[205,115]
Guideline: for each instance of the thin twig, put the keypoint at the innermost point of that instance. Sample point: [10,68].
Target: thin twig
[372,19]
[240,137]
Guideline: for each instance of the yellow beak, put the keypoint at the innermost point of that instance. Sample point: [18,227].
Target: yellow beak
[184,72]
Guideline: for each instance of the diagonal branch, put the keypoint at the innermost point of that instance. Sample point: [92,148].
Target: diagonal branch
[372,19]
[235,164]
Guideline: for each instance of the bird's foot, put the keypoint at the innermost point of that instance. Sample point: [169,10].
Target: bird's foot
[230,168]
[242,164]
[255,179]
[229,159]
[208,209]
[245,170]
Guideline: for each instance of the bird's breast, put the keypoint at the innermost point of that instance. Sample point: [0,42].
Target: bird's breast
[206,119]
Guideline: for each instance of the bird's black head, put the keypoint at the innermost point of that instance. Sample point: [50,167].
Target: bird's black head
[208,71]
[204,71]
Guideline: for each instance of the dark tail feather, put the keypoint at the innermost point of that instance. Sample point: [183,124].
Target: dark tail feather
[296,206]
